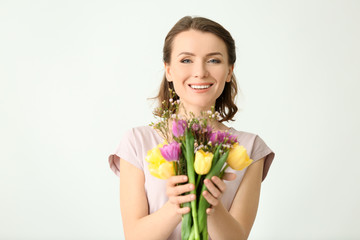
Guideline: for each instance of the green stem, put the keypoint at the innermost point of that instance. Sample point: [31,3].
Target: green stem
[186,223]
[198,181]
[192,234]
[216,155]
[189,146]
[204,233]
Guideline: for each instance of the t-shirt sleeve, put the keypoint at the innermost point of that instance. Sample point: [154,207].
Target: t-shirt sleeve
[261,150]
[127,151]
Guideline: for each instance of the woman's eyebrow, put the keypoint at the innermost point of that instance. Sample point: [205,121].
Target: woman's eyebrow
[186,53]
[214,53]
[192,54]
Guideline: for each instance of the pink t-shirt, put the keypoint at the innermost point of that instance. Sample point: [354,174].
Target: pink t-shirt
[138,141]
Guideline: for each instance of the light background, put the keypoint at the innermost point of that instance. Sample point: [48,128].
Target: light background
[75,75]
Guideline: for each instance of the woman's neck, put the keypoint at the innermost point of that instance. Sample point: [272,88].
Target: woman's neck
[190,112]
[198,112]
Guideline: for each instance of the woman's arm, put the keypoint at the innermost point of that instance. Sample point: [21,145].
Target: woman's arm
[134,205]
[237,223]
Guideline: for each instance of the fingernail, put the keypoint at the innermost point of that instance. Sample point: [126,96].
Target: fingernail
[192,197]
[191,186]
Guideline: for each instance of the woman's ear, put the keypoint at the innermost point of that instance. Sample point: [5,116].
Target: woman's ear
[230,73]
[167,72]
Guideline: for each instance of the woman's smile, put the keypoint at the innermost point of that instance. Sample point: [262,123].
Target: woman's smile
[198,87]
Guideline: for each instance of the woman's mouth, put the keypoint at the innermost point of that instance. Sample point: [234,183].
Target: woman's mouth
[200,87]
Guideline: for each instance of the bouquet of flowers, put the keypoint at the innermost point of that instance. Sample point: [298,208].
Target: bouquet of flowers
[194,149]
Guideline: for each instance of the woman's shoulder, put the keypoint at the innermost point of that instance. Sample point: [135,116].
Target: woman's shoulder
[256,147]
[142,134]
[133,146]
[242,135]
[251,141]
[140,129]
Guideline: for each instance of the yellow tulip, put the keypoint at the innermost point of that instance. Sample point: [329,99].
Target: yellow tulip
[162,171]
[154,155]
[202,163]
[158,166]
[238,158]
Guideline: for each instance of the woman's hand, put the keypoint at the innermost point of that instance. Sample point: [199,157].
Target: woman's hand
[174,192]
[215,190]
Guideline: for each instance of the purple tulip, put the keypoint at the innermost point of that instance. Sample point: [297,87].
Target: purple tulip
[171,152]
[178,127]
[232,139]
[217,137]
[213,138]
[222,137]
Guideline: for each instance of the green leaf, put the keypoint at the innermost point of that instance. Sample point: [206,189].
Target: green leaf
[186,223]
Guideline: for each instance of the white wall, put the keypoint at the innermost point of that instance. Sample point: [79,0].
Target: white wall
[74,75]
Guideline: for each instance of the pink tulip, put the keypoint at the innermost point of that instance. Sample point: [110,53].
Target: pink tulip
[171,152]
[178,127]
[222,137]
[217,137]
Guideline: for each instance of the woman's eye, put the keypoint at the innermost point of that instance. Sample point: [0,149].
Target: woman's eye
[214,61]
[185,61]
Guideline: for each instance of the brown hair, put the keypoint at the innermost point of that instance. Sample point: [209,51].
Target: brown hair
[225,102]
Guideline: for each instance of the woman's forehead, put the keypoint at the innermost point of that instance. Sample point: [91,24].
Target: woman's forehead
[198,43]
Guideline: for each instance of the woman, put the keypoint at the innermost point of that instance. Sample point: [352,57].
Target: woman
[199,57]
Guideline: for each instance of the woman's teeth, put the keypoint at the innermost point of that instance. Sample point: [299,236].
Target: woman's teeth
[200,86]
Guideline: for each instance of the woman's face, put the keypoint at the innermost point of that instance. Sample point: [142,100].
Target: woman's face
[198,69]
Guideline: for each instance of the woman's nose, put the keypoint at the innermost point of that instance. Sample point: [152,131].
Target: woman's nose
[200,70]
